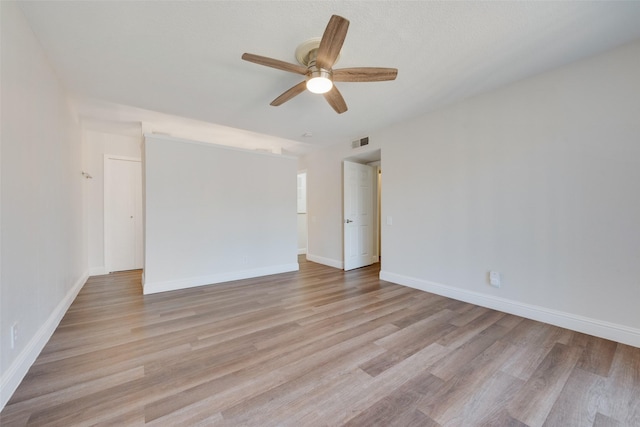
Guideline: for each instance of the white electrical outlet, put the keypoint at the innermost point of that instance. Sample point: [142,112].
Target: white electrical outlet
[494,278]
[14,335]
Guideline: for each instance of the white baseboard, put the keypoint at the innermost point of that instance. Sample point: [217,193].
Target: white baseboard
[612,331]
[13,376]
[326,261]
[302,251]
[190,282]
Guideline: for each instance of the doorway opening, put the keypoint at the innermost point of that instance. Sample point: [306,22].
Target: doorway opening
[123,219]
[302,213]
[362,192]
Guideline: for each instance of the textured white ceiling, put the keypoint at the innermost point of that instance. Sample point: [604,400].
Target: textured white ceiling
[183,57]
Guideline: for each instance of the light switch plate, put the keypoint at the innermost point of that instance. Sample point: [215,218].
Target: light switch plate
[494,278]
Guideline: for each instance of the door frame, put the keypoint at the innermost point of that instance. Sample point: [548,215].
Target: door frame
[303,211]
[370,158]
[370,255]
[105,210]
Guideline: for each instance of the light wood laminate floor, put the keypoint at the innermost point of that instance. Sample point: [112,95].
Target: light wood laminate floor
[313,348]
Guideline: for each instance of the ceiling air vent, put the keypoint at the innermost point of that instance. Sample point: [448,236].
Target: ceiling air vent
[360,142]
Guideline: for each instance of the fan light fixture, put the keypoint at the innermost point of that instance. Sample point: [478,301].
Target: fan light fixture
[317,58]
[319,81]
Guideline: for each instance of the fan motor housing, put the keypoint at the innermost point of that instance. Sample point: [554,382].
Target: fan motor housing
[305,52]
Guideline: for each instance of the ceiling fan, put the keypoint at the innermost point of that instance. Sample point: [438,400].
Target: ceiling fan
[317,58]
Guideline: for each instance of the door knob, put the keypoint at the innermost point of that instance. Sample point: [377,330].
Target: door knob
[348,221]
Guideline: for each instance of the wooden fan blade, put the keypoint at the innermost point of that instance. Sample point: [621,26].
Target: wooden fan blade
[331,42]
[296,90]
[274,63]
[364,74]
[335,99]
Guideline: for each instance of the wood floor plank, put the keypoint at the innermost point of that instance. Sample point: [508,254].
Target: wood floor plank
[390,408]
[366,319]
[470,315]
[258,378]
[532,403]
[510,321]
[456,360]
[56,376]
[444,405]
[133,418]
[604,421]
[420,334]
[420,310]
[287,396]
[534,346]
[316,347]
[70,394]
[463,334]
[361,398]
[502,419]
[622,387]
[598,355]
[578,403]
[101,406]
[409,340]
[484,404]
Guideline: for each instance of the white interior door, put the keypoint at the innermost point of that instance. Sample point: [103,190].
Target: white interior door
[123,214]
[358,215]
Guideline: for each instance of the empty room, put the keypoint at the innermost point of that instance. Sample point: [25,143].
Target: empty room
[303,213]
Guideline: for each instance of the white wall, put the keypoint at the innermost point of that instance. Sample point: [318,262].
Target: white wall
[539,181]
[100,139]
[215,214]
[43,262]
